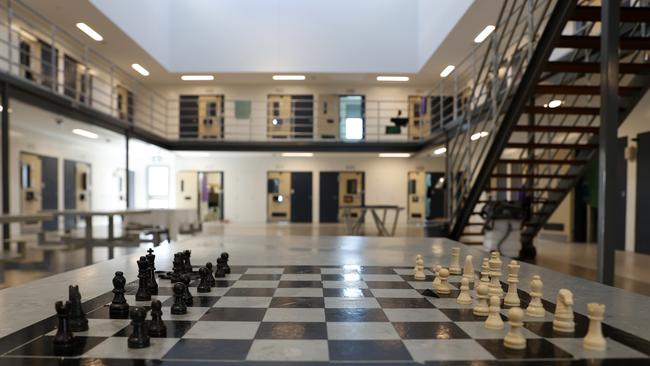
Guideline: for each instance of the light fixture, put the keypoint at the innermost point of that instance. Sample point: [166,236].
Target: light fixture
[141,70]
[84,133]
[478,135]
[554,103]
[484,34]
[393,78]
[297,155]
[440,151]
[197,77]
[193,154]
[275,122]
[288,77]
[90,32]
[448,70]
[394,155]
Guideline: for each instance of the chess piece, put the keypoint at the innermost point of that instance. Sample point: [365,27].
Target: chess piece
[224,257]
[187,264]
[179,307]
[415,267]
[468,269]
[443,287]
[77,317]
[63,342]
[494,320]
[151,261]
[419,269]
[481,308]
[485,271]
[187,296]
[436,279]
[203,282]
[220,272]
[495,274]
[464,298]
[563,321]
[139,338]
[514,339]
[594,339]
[119,308]
[512,297]
[535,307]
[143,293]
[177,268]
[211,281]
[157,327]
[454,266]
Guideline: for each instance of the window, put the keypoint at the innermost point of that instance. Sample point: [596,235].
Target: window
[351,110]
[157,186]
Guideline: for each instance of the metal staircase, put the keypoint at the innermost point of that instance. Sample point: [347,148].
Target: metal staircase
[541,132]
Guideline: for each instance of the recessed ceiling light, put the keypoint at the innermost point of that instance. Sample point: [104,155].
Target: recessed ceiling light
[141,70]
[90,32]
[393,78]
[484,34]
[440,151]
[289,77]
[478,135]
[297,155]
[84,133]
[448,70]
[197,77]
[554,103]
[394,155]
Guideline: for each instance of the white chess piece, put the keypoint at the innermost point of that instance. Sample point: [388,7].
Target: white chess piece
[512,297]
[468,269]
[485,271]
[417,257]
[594,339]
[454,267]
[514,339]
[464,298]
[563,321]
[494,320]
[436,279]
[535,308]
[443,287]
[495,273]
[481,308]
[419,269]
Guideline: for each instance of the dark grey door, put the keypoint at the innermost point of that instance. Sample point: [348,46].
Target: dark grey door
[329,197]
[50,189]
[131,179]
[435,196]
[643,194]
[301,197]
[69,192]
[303,116]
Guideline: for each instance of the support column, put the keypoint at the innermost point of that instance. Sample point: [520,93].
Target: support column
[609,60]
[5,158]
[127,181]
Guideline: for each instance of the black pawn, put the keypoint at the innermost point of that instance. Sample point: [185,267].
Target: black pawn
[157,327]
[211,281]
[187,296]
[119,308]
[140,337]
[188,264]
[177,268]
[78,320]
[151,261]
[179,307]
[204,286]
[226,267]
[64,339]
[143,293]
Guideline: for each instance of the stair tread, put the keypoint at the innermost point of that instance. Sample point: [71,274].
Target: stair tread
[593,42]
[627,13]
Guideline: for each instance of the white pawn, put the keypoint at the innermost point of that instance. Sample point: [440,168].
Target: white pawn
[464,298]
[481,308]
[594,339]
[468,269]
[485,271]
[495,273]
[443,287]
[454,267]
[512,297]
[535,308]
[417,257]
[563,321]
[419,269]
[436,279]
[514,339]
[494,320]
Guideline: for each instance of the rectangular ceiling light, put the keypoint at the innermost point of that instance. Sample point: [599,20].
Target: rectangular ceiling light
[394,155]
[484,34]
[448,70]
[197,77]
[289,77]
[84,133]
[393,78]
[297,155]
[440,151]
[141,70]
[90,32]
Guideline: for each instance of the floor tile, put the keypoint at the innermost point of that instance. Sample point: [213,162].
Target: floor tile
[374,350]
[297,302]
[410,271]
[420,285]
[299,292]
[130,299]
[197,301]
[193,313]
[344,284]
[392,303]
[538,349]
[614,349]
[256,284]
[346,292]
[387,285]
[223,330]
[429,330]
[292,330]
[243,302]
[477,330]
[288,350]
[355,315]
[351,302]
[175,328]
[361,331]
[255,292]
[449,303]
[302,269]
[300,284]
[42,346]
[545,330]
[381,277]
[446,350]
[300,277]
[100,328]
[234,314]
[294,315]
[465,315]
[209,349]
[265,270]
[403,293]
[415,315]
[116,347]
[260,277]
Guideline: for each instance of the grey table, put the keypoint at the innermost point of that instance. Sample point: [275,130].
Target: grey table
[379,214]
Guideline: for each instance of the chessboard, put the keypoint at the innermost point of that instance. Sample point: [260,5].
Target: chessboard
[303,315]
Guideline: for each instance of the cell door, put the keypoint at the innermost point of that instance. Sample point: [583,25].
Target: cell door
[50,190]
[187,190]
[211,196]
[303,116]
[351,192]
[436,195]
[31,173]
[329,197]
[69,193]
[278,192]
[328,117]
[417,196]
[301,197]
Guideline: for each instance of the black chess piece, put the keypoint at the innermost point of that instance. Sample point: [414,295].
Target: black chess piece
[119,308]
[177,269]
[64,339]
[157,327]
[187,296]
[211,281]
[188,264]
[224,257]
[77,317]
[219,273]
[140,337]
[179,307]
[203,282]
[143,293]
[151,261]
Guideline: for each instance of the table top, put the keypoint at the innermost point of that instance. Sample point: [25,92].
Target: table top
[123,212]
[5,219]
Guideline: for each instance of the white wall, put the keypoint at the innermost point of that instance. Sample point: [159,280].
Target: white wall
[435,20]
